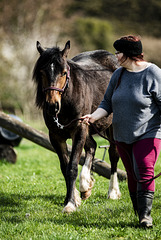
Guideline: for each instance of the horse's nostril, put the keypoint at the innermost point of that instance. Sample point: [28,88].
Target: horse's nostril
[56,107]
[52,109]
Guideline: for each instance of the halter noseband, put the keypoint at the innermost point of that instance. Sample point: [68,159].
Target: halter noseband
[66,83]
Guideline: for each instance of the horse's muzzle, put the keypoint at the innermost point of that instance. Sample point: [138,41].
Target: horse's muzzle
[52,109]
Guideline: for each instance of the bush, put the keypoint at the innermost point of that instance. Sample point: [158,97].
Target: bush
[91,33]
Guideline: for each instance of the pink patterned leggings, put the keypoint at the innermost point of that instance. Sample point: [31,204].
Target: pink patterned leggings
[139,160]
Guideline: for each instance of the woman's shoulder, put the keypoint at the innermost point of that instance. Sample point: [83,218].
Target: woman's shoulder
[154,72]
[154,68]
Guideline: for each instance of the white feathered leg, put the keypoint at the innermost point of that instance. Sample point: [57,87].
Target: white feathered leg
[70,207]
[86,182]
[114,191]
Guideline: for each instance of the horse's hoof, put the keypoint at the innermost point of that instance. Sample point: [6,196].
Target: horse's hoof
[87,194]
[114,194]
[114,191]
[69,208]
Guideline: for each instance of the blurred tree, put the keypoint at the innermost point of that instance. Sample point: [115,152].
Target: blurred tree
[91,33]
[142,16]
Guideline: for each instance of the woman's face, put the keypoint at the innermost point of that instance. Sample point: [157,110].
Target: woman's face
[120,57]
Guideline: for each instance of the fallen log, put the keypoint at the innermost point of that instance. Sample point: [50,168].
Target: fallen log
[100,167]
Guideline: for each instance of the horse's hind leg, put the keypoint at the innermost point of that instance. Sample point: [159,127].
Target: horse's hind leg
[86,181]
[114,191]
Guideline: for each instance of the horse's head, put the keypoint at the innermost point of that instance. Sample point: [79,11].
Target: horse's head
[51,74]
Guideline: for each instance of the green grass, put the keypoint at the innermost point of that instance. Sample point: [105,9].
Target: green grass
[32,192]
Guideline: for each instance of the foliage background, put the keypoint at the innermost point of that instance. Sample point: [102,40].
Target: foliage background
[89,24]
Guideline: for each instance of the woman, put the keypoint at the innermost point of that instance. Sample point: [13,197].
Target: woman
[134,97]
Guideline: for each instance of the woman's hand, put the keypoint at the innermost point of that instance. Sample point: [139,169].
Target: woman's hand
[96,115]
[87,119]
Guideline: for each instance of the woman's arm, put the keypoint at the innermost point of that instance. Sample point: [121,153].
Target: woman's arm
[96,115]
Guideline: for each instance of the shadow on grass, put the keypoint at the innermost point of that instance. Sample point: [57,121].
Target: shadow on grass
[15,205]
[17,199]
[8,200]
[89,220]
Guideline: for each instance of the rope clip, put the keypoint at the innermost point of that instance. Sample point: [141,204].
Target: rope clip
[60,126]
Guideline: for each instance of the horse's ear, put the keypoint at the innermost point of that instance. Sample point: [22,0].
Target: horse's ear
[65,51]
[39,47]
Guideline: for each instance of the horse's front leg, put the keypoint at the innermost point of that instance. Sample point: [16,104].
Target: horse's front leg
[72,169]
[86,181]
[61,149]
[114,191]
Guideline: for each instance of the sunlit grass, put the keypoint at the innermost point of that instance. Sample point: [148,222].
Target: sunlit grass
[32,193]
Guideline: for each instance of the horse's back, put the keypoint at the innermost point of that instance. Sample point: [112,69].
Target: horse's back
[93,70]
[101,59]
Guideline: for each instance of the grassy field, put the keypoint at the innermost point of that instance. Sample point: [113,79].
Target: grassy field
[32,192]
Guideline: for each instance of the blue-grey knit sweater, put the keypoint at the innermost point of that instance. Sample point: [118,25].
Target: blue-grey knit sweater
[136,104]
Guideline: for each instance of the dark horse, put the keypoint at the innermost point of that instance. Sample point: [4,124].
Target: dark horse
[67,90]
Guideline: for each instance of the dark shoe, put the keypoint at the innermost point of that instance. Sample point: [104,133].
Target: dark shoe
[146,222]
[144,201]
[133,196]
